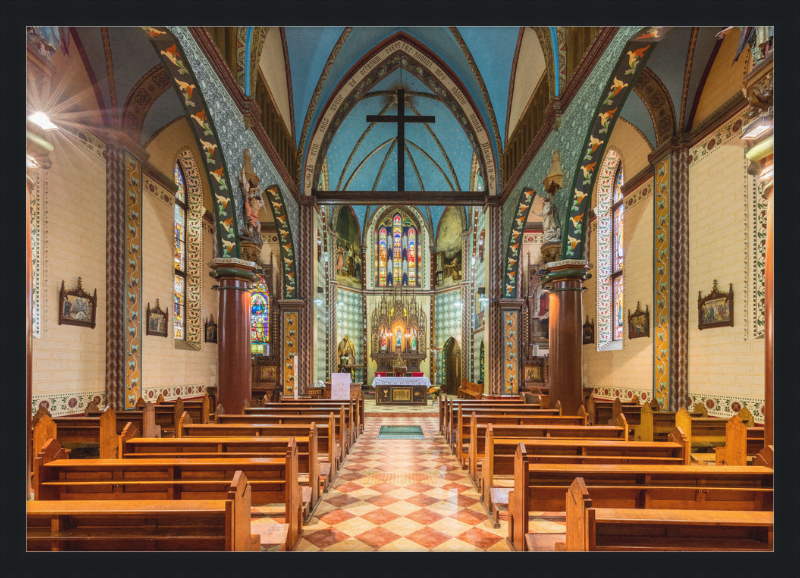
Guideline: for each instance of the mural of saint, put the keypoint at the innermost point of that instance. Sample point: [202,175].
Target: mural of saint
[399,335]
[383,342]
[348,248]
[414,342]
[449,247]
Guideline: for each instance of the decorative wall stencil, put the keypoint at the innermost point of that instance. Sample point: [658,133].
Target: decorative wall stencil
[727,131]
[511,352]
[755,249]
[656,99]
[157,320]
[619,85]
[349,322]
[561,43]
[622,393]
[36,250]
[133,277]
[116,294]
[399,50]
[575,120]
[639,322]
[184,391]
[728,406]
[187,88]
[157,191]
[290,339]
[59,404]
[511,266]
[635,197]
[194,248]
[141,98]
[605,195]
[715,309]
[661,284]
[286,242]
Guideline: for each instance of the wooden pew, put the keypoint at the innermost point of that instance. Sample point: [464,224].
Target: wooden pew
[202,524]
[648,424]
[499,456]
[134,447]
[591,528]
[328,444]
[272,480]
[201,409]
[446,403]
[601,411]
[451,423]
[469,390]
[543,488]
[325,402]
[144,418]
[94,429]
[474,430]
[741,442]
[167,414]
[464,410]
[347,411]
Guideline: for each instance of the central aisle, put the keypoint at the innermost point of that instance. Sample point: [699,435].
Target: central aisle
[402,496]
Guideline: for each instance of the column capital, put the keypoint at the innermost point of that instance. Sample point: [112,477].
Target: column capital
[231,267]
[291,303]
[567,269]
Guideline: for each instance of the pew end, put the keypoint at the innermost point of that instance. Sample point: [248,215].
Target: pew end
[734,452]
[677,436]
[578,518]
[185,420]
[765,458]
[51,450]
[128,432]
[91,408]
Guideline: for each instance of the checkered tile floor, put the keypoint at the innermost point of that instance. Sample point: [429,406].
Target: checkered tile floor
[402,496]
[370,407]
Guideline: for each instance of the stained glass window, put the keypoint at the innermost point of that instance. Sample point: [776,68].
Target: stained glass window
[179,256]
[397,252]
[618,185]
[412,256]
[617,321]
[259,316]
[618,230]
[382,257]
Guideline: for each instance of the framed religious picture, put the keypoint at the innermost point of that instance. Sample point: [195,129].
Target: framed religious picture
[76,306]
[715,309]
[639,322]
[588,331]
[211,330]
[156,321]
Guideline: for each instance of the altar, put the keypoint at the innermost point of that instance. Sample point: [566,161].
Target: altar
[401,390]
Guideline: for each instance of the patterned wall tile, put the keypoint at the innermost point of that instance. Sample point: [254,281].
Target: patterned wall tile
[349,323]
[661,284]
[448,324]
[290,339]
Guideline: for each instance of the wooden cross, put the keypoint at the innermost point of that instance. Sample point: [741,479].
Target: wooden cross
[400,118]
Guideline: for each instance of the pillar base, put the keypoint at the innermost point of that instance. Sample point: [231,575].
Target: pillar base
[234,368]
[565,282]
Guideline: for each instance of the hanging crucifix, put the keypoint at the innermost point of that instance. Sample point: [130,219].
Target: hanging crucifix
[401,119]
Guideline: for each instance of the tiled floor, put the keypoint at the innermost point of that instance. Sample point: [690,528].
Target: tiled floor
[402,496]
[370,407]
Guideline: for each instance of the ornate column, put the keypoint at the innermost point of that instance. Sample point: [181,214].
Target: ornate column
[291,312]
[511,318]
[306,263]
[769,325]
[234,371]
[494,289]
[565,280]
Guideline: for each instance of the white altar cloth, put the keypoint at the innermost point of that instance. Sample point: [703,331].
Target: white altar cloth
[401,381]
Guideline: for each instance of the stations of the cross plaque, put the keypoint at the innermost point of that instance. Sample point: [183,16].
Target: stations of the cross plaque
[401,119]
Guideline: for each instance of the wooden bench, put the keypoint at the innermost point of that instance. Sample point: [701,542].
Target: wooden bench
[464,410]
[740,442]
[346,410]
[326,402]
[330,447]
[446,404]
[473,432]
[470,390]
[499,458]
[133,447]
[640,530]
[601,411]
[144,418]
[648,424]
[203,524]
[166,414]
[201,409]
[272,480]
[543,488]
[75,430]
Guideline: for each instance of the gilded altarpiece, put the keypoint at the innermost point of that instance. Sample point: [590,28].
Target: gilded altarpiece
[398,331]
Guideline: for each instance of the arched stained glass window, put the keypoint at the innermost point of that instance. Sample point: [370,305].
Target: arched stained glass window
[179,256]
[617,254]
[412,256]
[259,316]
[382,252]
[397,250]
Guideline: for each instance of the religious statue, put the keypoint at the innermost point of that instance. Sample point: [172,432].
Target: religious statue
[251,195]
[549,214]
[414,341]
[399,334]
[383,342]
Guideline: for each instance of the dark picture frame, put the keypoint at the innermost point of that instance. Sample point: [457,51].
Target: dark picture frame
[715,309]
[76,306]
[157,321]
[639,322]
[588,331]
[210,330]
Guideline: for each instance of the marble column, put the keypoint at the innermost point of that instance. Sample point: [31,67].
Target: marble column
[565,280]
[234,368]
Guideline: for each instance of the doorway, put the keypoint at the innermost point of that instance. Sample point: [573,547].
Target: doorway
[452,366]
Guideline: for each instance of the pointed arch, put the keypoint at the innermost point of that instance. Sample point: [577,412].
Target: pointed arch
[512,262]
[186,86]
[612,162]
[623,77]
[399,50]
[286,242]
